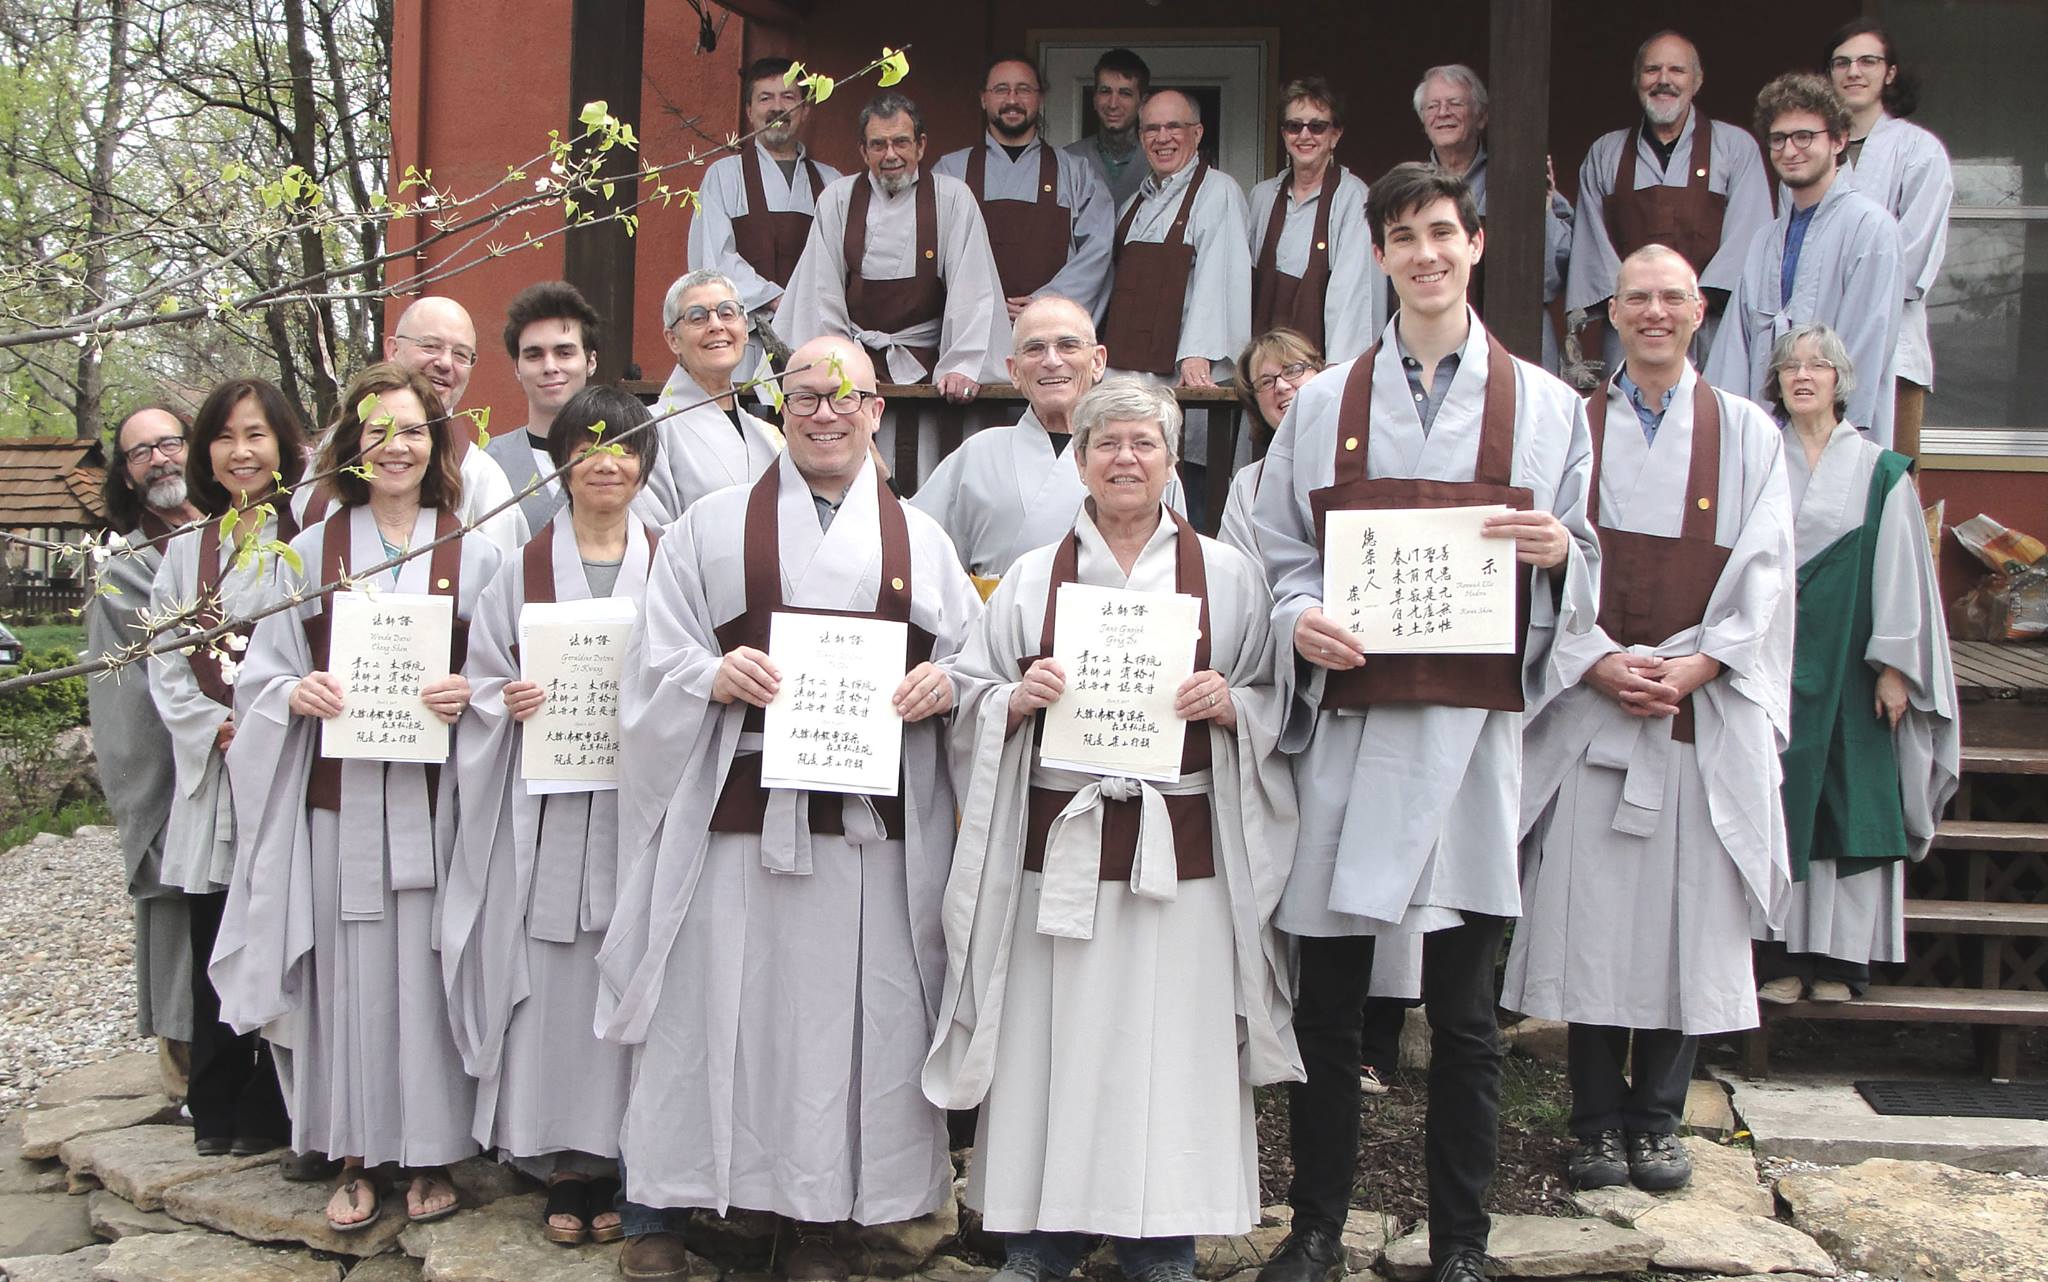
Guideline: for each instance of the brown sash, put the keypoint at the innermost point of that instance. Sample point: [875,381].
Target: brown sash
[1687,218]
[1296,302]
[537,568]
[1194,841]
[444,578]
[206,614]
[890,306]
[1142,326]
[1029,237]
[771,240]
[1653,586]
[743,803]
[1454,680]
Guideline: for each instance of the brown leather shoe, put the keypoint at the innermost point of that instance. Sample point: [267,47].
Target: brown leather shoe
[655,1257]
[811,1257]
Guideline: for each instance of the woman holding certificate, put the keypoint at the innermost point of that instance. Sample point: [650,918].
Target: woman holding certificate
[343,710]
[531,891]
[1126,827]
[245,434]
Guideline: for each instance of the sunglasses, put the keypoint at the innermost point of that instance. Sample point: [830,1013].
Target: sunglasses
[1315,128]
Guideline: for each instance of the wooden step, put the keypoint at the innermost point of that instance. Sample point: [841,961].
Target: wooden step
[1987,835]
[1965,917]
[2005,761]
[1910,1005]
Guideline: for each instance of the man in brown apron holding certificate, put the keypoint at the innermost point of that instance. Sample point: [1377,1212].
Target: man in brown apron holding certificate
[1408,765]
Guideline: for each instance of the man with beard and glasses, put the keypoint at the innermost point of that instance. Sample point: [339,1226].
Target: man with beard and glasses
[1832,258]
[1121,82]
[145,499]
[1673,178]
[755,207]
[1048,212]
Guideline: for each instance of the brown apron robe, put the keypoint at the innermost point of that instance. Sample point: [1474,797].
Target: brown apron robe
[1296,302]
[1653,587]
[743,803]
[1142,326]
[771,240]
[1687,218]
[205,659]
[887,306]
[1194,843]
[1029,239]
[1453,680]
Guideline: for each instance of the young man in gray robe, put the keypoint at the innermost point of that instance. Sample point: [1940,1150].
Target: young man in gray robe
[1010,489]
[1121,82]
[1650,810]
[551,335]
[775,958]
[145,498]
[1408,768]
[1832,258]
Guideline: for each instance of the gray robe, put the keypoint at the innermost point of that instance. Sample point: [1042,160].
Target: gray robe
[701,451]
[779,990]
[330,948]
[1905,168]
[528,897]
[1348,326]
[1177,1005]
[1080,190]
[1125,184]
[199,847]
[1861,918]
[514,454]
[1410,812]
[1849,278]
[1644,857]
[137,770]
[1557,248]
[1007,490]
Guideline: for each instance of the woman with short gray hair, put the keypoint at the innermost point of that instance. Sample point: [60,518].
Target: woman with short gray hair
[709,441]
[1142,970]
[1875,748]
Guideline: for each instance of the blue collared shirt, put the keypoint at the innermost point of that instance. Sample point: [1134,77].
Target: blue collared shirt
[1651,419]
[1431,399]
[1795,240]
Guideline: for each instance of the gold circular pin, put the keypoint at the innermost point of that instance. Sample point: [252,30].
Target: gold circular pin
[1350,442]
[1322,244]
[898,583]
[1048,186]
[443,583]
[931,253]
[1705,504]
[1699,173]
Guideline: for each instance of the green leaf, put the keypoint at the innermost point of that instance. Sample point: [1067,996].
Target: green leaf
[795,69]
[895,66]
[837,366]
[366,407]
[290,555]
[597,429]
[607,190]
[228,521]
[820,86]
[594,113]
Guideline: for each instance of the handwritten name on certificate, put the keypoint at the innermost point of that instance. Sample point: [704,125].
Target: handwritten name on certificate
[384,646]
[574,651]
[831,726]
[1406,580]
[1124,654]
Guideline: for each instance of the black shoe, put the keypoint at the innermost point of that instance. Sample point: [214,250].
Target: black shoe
[251,1145]
[1463,1266]
[307,1168]
[214,1145]
[1658,1163]
[1311,1253]
[1026,1266]
[1598,1163]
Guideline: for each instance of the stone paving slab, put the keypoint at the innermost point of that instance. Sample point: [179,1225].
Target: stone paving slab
[42,1224]
[1820,1118]
[502,1242]
[19,1174]
[260,1205]
[1536,1246]
[1700,1237]
[114,1218]
[387,1268]
[140,1163]
[122,1077]
[1726,1176]
[208,1257]
[44,1130]
[77,1266]
[1924,1221]
[1708,1112]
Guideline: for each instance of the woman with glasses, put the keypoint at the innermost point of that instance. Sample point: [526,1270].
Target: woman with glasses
[532,887]
[710,440]
[1906,169]
[1874,743]
[329,940]
[1276,364]
[246,445]
[1109,939]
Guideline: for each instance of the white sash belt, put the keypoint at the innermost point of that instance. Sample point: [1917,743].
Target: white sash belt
[1073,851]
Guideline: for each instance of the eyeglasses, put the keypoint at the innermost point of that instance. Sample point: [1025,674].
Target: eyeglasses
[1862,62]
[805,404]
[1635,300]
[883,146]
[1142,449]
[1818,365]
[434,349]
[1068,346]
[697,316]
[1315,128]
[1159,127]
[1800,139]
[1291,373]
[1444,106]
[168,446]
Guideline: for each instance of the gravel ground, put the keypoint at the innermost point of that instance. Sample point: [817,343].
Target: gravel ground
[67,977]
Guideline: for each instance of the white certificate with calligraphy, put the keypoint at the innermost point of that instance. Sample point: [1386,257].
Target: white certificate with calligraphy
[832,726]
[1421,580]
[383,646]
[574,651]
[1125,654]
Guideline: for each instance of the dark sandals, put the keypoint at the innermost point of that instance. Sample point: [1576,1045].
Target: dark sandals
[584,1201]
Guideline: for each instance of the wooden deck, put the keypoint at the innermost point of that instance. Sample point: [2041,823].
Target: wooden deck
[2003,688]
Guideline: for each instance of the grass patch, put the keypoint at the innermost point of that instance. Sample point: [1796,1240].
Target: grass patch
[65,821]
[68,637]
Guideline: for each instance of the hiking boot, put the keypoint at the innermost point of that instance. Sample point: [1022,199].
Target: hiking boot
[1598,1163]
[1025,1266]
[812,1257]
[1462,1266]
[655,1257]
[1311,1253]
[1658,1163]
